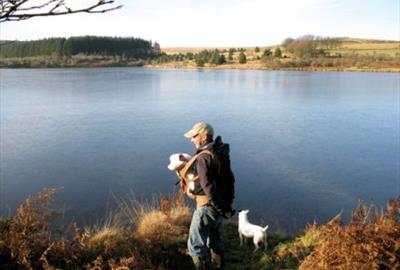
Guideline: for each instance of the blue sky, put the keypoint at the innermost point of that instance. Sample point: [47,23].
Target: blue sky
[220,23]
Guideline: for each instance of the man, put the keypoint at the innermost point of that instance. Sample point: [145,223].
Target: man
[214,193]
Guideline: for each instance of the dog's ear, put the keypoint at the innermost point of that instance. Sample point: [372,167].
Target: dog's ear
[183,158]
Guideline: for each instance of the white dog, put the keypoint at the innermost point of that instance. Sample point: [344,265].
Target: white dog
[246,229]
[177,162]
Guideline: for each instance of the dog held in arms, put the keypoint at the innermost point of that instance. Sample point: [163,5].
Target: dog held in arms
[248,230]
[177,162]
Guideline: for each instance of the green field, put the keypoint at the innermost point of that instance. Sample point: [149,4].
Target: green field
[349,46]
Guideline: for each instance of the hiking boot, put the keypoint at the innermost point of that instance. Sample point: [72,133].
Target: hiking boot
[200,263]
[217,260]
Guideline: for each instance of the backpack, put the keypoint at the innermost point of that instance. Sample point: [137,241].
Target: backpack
[225,183]
[225,179]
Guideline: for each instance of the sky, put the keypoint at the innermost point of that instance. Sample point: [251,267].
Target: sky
[220,23]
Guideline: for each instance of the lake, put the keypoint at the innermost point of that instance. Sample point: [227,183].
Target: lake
[304,145]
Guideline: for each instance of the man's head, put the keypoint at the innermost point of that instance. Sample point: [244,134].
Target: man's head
[200,133]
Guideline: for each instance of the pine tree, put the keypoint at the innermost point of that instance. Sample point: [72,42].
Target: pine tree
[242,58]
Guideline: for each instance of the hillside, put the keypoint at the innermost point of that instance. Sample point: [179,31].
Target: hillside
[348,46]
[369,47]
[308,53]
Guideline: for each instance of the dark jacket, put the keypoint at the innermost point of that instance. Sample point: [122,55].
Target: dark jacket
[215,175]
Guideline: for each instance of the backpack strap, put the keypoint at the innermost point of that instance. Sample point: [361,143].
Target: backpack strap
[185,180]
[184,170]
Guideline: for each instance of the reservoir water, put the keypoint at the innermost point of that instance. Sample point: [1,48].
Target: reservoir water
[304,145]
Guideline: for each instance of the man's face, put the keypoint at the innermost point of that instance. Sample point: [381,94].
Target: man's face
[199,139]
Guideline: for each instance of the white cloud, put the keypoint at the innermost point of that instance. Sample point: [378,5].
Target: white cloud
[209,23]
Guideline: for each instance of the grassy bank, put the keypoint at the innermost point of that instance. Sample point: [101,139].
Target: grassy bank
[79,60]
[153,236]
[321,64]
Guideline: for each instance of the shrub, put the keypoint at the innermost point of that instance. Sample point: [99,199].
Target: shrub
[25,236]
[278,53]
[157,242]
[242,58]
[370,241]
[199,62]
[267,52]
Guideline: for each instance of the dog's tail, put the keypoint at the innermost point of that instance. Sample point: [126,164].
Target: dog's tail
[265,228]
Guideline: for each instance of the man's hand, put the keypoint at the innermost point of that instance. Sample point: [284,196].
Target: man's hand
[189,194]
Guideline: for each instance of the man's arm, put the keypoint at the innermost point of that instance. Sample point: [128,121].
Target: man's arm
[203,166]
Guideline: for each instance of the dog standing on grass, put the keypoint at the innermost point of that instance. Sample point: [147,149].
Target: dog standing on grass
[248,230]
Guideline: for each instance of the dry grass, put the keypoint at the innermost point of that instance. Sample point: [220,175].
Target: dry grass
[371,241]
[180,215]
[153,224]
[156,223]
[360,63]
[25,236]
[155,238]
[167,223]
[349,46]
[155,241]
[108,240]
[368,47]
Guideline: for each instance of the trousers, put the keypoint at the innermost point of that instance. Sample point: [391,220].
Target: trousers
[205,233]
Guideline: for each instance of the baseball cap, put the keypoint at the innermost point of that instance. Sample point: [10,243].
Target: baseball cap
[198,128]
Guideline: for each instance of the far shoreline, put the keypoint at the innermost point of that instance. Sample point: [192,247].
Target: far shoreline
[179,66]
[304,69]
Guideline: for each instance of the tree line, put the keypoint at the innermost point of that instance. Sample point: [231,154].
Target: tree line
[213,57]
[130,48]
[310,45]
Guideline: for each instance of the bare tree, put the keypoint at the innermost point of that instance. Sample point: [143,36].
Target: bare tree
[17,10]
